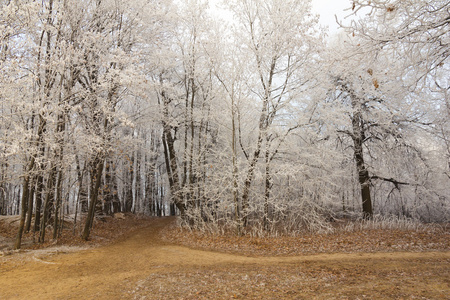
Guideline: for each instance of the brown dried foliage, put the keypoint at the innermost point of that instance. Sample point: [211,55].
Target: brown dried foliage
[430,238]
[105,230]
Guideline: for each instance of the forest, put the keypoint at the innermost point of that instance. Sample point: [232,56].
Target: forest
[252,118]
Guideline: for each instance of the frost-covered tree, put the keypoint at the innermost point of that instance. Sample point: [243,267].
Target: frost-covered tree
[73,62]
[279,44]
[402,50]
[248,123]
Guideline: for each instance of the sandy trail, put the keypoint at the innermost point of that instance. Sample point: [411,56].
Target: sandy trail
[142,266]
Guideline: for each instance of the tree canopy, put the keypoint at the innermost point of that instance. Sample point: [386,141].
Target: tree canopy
[259,122]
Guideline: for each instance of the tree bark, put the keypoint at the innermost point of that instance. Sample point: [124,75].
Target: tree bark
[39,196]
[30,205]
[24,200]
[48,198]
[235,169]
[358,137]
[57,204]
[252,165]
[94,193]
[267,187]
[170,158]
[60,156]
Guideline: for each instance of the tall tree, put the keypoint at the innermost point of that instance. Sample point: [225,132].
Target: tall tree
[279,39]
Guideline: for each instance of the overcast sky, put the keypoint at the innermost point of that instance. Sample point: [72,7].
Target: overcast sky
[325,8]
[328,8]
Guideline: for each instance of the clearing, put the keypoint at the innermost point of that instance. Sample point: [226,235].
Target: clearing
[144,265]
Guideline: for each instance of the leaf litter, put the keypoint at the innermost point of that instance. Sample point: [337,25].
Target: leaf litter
[429,238]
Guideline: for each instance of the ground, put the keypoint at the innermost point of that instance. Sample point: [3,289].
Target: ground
[145,262]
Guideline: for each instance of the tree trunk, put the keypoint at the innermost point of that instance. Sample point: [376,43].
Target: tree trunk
[235,169]
[94,197]
[80,175]
[263,125]
[30,205]
[48,198]
[111,197]
[363,175]
[57,204]
[39,195]
[24,211]
[129,191]
[267,188]
[138,198]
[26,186]
[249,180]
[170,159]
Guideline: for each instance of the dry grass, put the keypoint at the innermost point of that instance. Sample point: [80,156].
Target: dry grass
[400,279]
[347,237]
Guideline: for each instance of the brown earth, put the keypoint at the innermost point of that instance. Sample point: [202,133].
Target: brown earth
[142,265]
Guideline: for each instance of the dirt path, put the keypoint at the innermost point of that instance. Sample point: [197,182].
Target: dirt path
[142,266]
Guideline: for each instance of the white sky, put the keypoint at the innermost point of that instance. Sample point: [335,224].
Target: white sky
[325,8]
[328,8]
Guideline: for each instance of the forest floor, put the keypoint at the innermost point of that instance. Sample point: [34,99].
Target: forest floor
[150,258]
